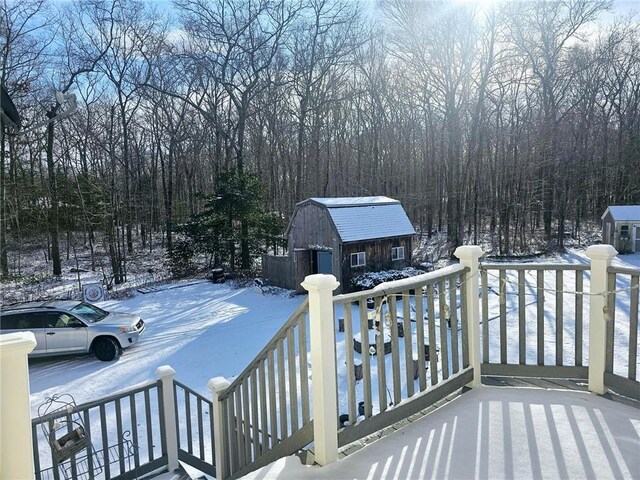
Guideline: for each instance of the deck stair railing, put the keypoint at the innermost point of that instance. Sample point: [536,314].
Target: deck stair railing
[194,415]
[422,354]
[124,432]
[265,412]
[132,433]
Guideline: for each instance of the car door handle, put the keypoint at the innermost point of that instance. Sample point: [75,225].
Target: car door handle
[51,333]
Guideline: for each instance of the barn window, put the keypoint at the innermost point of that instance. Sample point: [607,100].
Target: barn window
[624,231]
[358,259]
[397,253]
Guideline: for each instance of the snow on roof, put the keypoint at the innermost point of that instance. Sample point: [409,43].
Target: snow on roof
[368,221]
[336,202]
[621,213]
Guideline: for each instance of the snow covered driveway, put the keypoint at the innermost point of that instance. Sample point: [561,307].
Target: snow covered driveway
[202,331]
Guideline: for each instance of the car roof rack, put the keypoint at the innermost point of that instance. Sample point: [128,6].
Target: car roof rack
[27,305]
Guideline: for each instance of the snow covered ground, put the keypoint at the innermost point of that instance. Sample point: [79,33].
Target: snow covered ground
[204,330]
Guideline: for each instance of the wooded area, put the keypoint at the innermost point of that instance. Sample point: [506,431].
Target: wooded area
[517,119]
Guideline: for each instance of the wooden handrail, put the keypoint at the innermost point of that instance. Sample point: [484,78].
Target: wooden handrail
[535,266]
[280,334]
[624,270]
[401,285]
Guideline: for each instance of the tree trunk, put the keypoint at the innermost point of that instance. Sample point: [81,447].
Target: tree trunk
[4,258]
[53,196]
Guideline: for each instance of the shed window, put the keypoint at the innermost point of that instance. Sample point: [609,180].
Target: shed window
[358,259]
[397,253]
[624,231]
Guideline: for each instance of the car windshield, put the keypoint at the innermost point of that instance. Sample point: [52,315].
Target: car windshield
[91,313]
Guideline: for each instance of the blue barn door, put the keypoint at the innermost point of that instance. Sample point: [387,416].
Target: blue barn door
[322,262]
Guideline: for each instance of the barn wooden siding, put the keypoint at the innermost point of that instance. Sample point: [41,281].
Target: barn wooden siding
[278,271]
[311,225]
[378,257]
[302,268]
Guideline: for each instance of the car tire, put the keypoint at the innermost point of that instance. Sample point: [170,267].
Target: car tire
[106,349]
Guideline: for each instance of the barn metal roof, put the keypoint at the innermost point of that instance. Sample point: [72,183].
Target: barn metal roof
[367,222]
[339,202]
[364,218]
[622,213]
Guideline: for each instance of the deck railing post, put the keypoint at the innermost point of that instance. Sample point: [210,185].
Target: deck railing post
[166,374]
[16,447]
[323,366]
[600,256]
[469,256]
[218,385]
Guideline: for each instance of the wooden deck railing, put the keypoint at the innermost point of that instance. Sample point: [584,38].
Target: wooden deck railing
[127,435]
[266,409]
[124,432]
[266,412]
[537,295]
[527,331]
[418,330]
[397,349]
[621,365]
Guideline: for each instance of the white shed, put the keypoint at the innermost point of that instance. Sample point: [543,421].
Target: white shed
[621,228]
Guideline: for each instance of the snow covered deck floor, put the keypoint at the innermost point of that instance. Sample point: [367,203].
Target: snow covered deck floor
[495,432]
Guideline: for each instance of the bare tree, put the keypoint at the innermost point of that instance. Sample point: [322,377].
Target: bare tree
[543,31]
[80,51]
[22,55]
[135,34]
[236,43]
[326,36]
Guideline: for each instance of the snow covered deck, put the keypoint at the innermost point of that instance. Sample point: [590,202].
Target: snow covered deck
[495,432]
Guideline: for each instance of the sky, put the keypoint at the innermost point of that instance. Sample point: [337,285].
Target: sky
[619,6]
[626,6]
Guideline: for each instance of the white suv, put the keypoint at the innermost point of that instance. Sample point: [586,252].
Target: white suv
[70,326]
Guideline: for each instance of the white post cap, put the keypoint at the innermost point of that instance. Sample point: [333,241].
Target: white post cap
[320,281]
[601,252]
[18,342]
[165,371]
[218,384]
[468,252]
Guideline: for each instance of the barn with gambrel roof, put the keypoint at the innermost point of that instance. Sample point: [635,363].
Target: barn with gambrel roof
[343,236]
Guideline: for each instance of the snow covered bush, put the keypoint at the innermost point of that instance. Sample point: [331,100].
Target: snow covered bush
[369,280]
